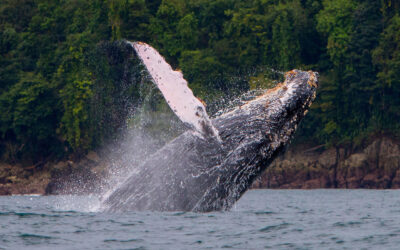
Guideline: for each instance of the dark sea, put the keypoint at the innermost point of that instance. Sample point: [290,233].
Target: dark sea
[277,219]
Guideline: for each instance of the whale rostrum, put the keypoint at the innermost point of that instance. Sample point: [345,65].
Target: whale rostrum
[201,174]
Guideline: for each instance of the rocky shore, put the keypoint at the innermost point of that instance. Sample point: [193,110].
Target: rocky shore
[376,165]
[63,177]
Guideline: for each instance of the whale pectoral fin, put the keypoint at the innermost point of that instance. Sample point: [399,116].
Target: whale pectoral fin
[180,98]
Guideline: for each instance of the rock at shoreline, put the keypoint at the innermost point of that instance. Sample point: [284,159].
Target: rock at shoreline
[375,166]
[64,177]
[19,180]
[82,177]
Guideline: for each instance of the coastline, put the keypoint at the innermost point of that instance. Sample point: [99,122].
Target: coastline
[373,166]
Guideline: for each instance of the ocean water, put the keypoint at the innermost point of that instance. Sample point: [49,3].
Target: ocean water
[277,219]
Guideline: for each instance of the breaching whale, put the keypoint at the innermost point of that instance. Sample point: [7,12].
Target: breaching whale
[209,173]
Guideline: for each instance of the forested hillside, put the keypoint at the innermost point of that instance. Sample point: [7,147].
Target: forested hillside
[52,63]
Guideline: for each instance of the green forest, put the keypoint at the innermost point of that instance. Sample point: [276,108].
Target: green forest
[54,63]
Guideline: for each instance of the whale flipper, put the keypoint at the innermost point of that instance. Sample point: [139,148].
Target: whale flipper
[176,91]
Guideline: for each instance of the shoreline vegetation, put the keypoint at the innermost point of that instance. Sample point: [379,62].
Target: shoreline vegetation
[69,84]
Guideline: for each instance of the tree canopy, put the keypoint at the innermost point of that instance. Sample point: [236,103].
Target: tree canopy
[59,60]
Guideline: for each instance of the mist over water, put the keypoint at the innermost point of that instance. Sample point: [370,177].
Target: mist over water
[150,125]
[278,219]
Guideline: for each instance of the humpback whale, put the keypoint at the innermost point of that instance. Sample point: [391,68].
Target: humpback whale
[211,166]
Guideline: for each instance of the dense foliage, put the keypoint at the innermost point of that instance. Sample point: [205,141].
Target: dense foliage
[56,64]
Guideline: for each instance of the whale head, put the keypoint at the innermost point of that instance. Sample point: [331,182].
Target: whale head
[289,102]
[274,114]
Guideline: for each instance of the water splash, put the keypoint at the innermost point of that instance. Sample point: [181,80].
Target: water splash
[77,203]
[149,127]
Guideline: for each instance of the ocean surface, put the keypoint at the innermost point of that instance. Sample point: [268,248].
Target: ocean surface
[277,219]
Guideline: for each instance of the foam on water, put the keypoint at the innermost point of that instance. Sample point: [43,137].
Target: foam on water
[86,204]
